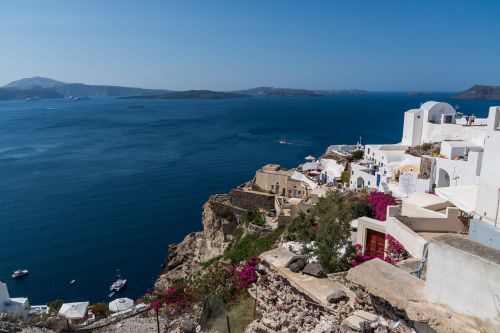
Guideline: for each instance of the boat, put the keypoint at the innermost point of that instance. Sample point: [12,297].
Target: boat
[283,141]
[85,98]
[118,284]
[72,282]
[19,273]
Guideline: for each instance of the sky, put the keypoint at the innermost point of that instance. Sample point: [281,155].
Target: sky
[377,45]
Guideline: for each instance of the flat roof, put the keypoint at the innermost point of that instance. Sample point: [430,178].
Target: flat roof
[474,248]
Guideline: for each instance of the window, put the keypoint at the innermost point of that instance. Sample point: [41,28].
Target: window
[418,117]
[289,191]
[352,172]
[300,192]
[368,183]
[272,187]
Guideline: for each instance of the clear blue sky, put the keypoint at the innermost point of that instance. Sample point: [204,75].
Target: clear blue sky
[221,45]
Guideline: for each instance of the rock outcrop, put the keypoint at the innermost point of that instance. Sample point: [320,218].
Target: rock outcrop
[219,224]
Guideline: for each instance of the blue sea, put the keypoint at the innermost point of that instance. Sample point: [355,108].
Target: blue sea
[88,187]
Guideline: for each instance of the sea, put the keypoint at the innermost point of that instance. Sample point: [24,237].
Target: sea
[90,189]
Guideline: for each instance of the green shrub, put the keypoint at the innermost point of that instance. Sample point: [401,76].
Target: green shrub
[100,310]
[55,305]
[253,245]
[253,217]
[210,262]
[301,228]
[357,154]
[345,177]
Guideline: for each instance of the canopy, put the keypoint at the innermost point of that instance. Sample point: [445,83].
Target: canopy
[121,304]
[298,176]
[463,197]
[76,310]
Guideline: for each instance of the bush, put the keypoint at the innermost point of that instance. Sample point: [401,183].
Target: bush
[210,262]
[302,228]
[357,154]
[253,245]
[55,305]
[334,214]
[100,310]
[345,177]
[253,217]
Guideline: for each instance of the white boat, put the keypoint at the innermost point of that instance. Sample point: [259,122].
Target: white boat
[118,285]
[72,282]
[283,141]
[19,273]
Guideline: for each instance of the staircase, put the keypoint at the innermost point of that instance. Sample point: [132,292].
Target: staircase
[385,187]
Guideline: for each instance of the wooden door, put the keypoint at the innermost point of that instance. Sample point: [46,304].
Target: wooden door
[375,243]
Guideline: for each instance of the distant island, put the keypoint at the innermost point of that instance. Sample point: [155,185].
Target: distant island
[290,92]
[192,94]
[480,92]
[43,88]
[418,93]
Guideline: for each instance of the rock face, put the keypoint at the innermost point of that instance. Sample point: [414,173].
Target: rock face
[219,223]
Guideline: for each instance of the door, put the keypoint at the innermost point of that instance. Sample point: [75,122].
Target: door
[375,243]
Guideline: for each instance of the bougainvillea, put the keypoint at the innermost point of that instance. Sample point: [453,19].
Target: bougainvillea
[359,257]
[222,281]
[395,251]
[246,273]
[379,202]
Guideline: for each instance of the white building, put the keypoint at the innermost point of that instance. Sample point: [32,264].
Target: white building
[17,306]
[436,122]
[376,168]
[488,200]
[458,164]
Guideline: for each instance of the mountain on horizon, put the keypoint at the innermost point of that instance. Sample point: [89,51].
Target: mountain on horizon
[480,92]
[36,81]
[42,87]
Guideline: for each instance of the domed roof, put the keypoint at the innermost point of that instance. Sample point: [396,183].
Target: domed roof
[438,105]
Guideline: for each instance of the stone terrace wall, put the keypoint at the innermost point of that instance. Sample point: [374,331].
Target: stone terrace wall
[251,200]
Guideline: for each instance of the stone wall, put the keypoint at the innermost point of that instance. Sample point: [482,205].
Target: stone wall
[251,200]
[425,167]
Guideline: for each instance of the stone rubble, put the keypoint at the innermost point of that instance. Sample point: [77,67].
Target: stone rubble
[284,309]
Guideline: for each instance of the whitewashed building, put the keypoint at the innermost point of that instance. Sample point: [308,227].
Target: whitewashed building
[436,122]
[15,306]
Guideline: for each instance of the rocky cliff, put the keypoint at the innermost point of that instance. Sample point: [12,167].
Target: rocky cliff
[219,224]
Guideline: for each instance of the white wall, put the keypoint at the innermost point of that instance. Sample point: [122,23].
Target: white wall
[440,132]
[460,172]
[412,127]
[356,172]
[462,275]
[412,242]
[487,206]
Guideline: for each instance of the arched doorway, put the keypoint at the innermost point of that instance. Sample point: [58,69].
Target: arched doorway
[360,182]
[443,178]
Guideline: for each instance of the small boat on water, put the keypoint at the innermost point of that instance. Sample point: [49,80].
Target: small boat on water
[118,284]
[84,98]
[19,273]
[283,141]
[72,282]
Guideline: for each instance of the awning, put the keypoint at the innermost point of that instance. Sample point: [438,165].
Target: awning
[76,310]
[121,304]
[463,197]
